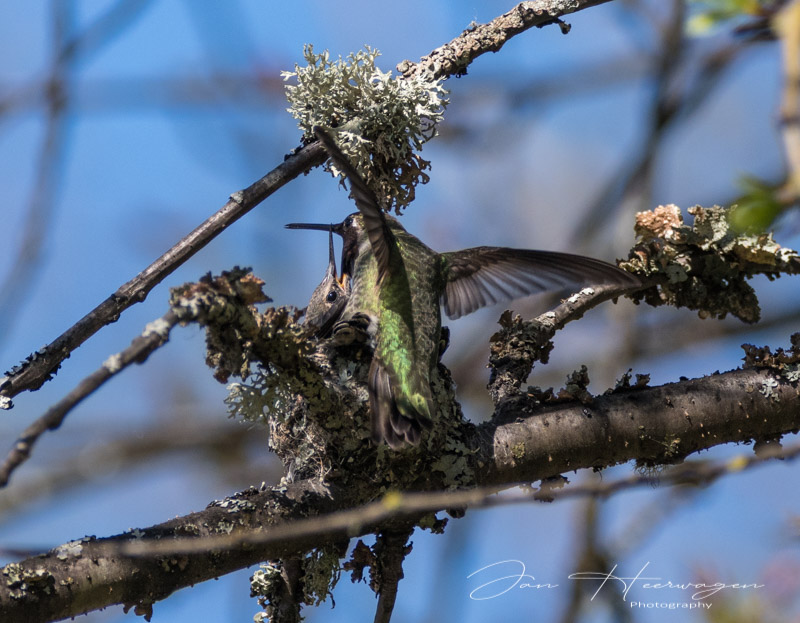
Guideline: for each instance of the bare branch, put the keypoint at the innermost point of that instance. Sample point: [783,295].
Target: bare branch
[225,302]
[452,58]
[154,335]
[208,440]
[39,366]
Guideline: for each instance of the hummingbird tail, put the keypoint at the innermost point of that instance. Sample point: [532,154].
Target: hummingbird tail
[392,423]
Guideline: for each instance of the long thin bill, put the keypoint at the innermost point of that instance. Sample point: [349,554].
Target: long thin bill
[317,226]
[331,256]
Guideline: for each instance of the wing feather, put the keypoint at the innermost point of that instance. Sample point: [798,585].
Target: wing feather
[388,424]
[380,236]
[483,276]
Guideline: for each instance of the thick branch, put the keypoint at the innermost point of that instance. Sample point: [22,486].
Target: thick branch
[522,444]
[653,425]
[82,576]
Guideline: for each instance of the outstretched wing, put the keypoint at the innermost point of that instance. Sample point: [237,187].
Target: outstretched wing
[483,276]
[378,232]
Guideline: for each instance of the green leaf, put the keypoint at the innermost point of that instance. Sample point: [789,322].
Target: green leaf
[757,208]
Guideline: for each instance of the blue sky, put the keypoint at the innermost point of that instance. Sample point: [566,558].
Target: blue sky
[166,120]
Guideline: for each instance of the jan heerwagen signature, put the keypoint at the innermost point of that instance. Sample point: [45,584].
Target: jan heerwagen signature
[498,578]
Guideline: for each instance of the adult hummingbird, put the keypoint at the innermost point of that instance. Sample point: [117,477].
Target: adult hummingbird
[329,298]
[399,284]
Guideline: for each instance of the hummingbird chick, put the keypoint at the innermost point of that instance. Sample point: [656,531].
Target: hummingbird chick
[400,285]
[328,299]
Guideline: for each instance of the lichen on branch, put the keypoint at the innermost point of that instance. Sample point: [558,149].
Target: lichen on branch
[785,362]
[704,266]
[379,120]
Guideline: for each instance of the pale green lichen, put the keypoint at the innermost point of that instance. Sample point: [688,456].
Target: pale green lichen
[73,549]
[768,387]
[704,266]
[113,364]
[159,326]
[251,401]
[320,571]
[784,362]
[265,583]
[792,373]
[378,120]
[22,582]
[321,574]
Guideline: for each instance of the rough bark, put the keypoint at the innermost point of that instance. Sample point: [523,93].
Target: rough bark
[522,443]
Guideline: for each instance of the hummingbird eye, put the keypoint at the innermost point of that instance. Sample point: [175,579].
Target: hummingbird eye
[348,221]
[331,296]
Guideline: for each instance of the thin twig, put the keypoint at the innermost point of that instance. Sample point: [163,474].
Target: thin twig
[40,365]
[452,58]
[207,440]
[400,505]
[154,335]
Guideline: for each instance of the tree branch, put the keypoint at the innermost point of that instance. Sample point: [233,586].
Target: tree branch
[39,366]
[155,335]
[391,549]
[654,425]
[525,441]
[522,444]
[452,58]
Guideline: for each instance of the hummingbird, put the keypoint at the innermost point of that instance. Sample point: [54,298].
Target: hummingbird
[329,297]
[400,285]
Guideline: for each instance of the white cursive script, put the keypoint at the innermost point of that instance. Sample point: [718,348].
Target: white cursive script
[501,577]
[701,590]
[517,579]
